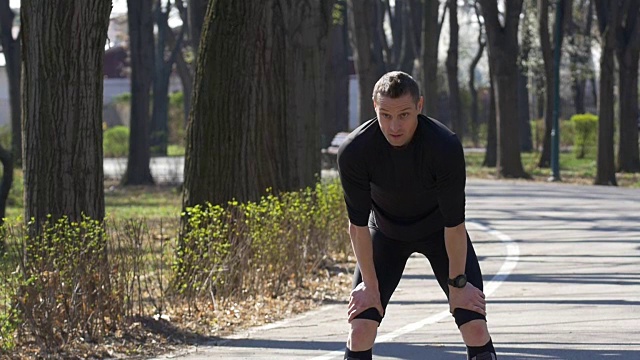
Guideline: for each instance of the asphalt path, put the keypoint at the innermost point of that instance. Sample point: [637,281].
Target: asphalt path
[562,277]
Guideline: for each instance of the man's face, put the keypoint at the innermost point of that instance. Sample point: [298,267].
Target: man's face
[398,118]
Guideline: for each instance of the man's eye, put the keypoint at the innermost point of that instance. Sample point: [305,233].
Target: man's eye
[386,116]
[403,115]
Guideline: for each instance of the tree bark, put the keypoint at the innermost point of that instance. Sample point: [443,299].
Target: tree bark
[628,53]
[580,37]
[238,146]
[196,9]
[475,122]
[367,52]
[609,16]
[160,113]
[11,51]
[184,72]
[503,44]
[337,80]
[491,151]
[407,53]
[526,143]
[431,27]
[140,19]
[455,108]
[62,104]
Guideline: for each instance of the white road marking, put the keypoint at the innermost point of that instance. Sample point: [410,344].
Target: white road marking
[510,262]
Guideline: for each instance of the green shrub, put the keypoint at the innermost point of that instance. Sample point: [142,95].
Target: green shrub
[260,247]
[586,129]
[63,287]
[116,142]
[567,133]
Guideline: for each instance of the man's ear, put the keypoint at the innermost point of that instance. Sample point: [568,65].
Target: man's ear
[375,105]
[420,104]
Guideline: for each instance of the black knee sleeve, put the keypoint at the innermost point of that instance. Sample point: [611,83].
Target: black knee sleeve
[463,316]
[358,355]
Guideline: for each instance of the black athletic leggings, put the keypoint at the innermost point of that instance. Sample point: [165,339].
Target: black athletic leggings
[390,257]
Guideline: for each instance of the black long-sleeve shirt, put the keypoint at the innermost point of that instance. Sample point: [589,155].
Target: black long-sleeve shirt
[410,192]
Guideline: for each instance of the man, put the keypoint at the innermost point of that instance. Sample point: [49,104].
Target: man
[403,176]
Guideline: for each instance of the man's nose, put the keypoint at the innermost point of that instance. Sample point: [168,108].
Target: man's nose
[395,124]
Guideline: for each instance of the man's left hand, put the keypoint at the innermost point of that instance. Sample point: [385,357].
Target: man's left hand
[468,297]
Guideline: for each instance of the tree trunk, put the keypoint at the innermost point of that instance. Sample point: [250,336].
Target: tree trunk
[160,114]
[196,9]
[11,51]
[429,56]
[238,146]
[184,72]
[140,19]
[526,143]
[503,44]
[62,104]
[547,57]
[455,108]
[407,54]
[580,50]
[491,152]
[475,123]
[337,81]
[367,53]
[608,19]
[628,54]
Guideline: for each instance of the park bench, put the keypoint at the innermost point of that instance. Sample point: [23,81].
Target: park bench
[330,154]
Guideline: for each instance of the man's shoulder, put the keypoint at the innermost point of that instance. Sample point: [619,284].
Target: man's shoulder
[359,139]
[435,133]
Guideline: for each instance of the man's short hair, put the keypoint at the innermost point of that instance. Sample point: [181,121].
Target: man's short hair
[396,84]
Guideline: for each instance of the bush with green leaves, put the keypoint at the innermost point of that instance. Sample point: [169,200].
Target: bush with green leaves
[62,290]
[567,133]
[260,247]
[586,134]
[116,142]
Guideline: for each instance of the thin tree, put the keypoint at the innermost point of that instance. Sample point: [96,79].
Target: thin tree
[503,55]
[62,108]
[609,17]
[475,123]
[196,10]
[431,28]
[11,51]
[162,75]
[547,56]
[367,51]
[455,107]
[491,150]
[579,38]
[140,20]
[185,70]
[526,44]
[628,54]
[337,76]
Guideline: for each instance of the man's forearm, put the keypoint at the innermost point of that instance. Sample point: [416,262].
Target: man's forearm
[363,249]
[455,239]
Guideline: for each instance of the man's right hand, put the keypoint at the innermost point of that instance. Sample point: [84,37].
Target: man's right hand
[363,298]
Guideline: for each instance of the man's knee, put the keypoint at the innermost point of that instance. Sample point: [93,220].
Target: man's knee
[475,333]
[362,334]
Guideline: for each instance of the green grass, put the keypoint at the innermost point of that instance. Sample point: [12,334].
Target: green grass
[143,202]
[572,170]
